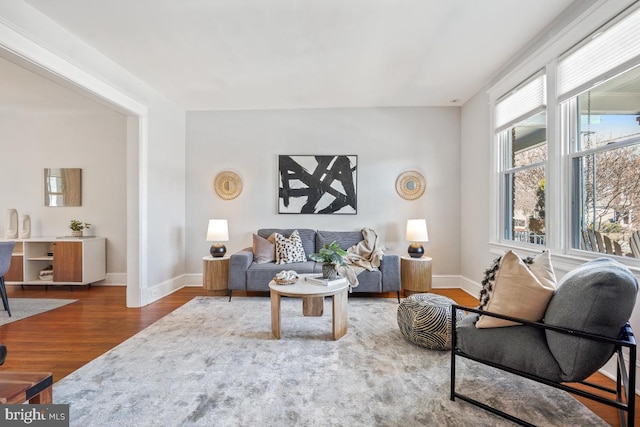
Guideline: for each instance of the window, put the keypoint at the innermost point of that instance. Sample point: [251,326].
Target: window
[522,137]
[568,170]
[606,165]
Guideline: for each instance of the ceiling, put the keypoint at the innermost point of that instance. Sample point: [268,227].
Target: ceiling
[273,54]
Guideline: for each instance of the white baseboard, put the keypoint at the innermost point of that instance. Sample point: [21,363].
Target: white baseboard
[114,279]
[161,290]
[194,279]
[461,282]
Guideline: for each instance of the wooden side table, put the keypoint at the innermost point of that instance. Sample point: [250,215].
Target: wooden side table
[20,387]
[415,274]
[216,275]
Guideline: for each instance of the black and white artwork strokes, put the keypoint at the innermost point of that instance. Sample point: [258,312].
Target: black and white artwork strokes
[317,184]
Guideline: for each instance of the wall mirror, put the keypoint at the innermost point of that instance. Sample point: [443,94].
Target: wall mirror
[411,185]
[62,187]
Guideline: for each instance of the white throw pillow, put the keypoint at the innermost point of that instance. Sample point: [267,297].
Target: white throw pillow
[520,290]
[289,250]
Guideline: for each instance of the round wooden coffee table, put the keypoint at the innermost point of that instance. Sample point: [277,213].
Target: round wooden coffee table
[312,303]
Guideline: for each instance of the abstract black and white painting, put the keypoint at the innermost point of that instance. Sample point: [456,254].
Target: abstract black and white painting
[317,184]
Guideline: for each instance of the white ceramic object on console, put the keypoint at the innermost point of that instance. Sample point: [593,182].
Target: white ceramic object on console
[11,224]
[25,227]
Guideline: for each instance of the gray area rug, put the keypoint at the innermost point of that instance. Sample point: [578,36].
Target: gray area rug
[27,307]
[216,363]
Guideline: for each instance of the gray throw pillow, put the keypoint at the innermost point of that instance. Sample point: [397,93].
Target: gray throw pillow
[596,297]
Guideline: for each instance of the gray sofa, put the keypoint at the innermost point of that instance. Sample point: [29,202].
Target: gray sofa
[247,275]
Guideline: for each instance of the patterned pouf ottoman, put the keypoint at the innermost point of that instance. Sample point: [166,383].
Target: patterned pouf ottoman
[425,320]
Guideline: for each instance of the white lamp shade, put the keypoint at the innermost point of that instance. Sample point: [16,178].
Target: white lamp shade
[218,231]
[417,230]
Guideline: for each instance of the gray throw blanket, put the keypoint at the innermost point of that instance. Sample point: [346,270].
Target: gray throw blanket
[365,255]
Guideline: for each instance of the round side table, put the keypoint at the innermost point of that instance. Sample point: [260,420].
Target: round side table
[415,274]
[215,278]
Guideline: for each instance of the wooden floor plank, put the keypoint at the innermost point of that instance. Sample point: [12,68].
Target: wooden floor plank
[62,340]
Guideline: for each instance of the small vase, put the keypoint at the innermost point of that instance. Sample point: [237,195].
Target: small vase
[11,224]
[76,233]
[25,227]
[329,272]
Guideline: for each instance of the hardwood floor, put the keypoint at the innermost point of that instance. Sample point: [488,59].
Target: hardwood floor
[63,340]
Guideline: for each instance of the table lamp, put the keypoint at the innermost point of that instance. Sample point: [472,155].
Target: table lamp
[417,232]
[217,232]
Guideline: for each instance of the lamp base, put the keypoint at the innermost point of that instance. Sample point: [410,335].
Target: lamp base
[415,250]
[218,250]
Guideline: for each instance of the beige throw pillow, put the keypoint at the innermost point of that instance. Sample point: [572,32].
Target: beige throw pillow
[520,290]
[264,250]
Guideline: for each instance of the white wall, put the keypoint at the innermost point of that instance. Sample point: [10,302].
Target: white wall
[92,141]
[387,142]
[155,153]
[474,188]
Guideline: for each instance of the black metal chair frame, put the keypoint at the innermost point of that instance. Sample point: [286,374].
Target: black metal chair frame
[624,392]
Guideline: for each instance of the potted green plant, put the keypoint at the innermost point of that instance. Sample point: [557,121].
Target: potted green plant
[77,227]
[331,256]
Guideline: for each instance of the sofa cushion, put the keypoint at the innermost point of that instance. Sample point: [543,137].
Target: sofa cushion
[259,275]
[345,239]
[520,290]
[598,298]
[307,235]
[289,249]
[264,250]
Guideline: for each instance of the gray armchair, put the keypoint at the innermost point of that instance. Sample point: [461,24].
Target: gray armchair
[585,324]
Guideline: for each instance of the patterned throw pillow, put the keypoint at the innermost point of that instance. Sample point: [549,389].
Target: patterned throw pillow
[289,250]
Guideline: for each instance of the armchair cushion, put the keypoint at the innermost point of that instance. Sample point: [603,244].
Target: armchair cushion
[520,290]
[518,347]
[598,298]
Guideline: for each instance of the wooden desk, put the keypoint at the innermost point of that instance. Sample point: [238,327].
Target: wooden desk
[19,387]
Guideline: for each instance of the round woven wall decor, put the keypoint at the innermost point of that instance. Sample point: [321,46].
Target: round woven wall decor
[411,185]
[228,185]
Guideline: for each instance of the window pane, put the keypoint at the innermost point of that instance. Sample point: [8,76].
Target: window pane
[610,112]
[526,206]
[607,182]
[529,141]
[608,194]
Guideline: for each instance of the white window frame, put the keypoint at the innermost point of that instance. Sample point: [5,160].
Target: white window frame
[560,137]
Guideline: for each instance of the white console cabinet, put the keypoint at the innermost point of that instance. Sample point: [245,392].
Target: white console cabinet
[75,260]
